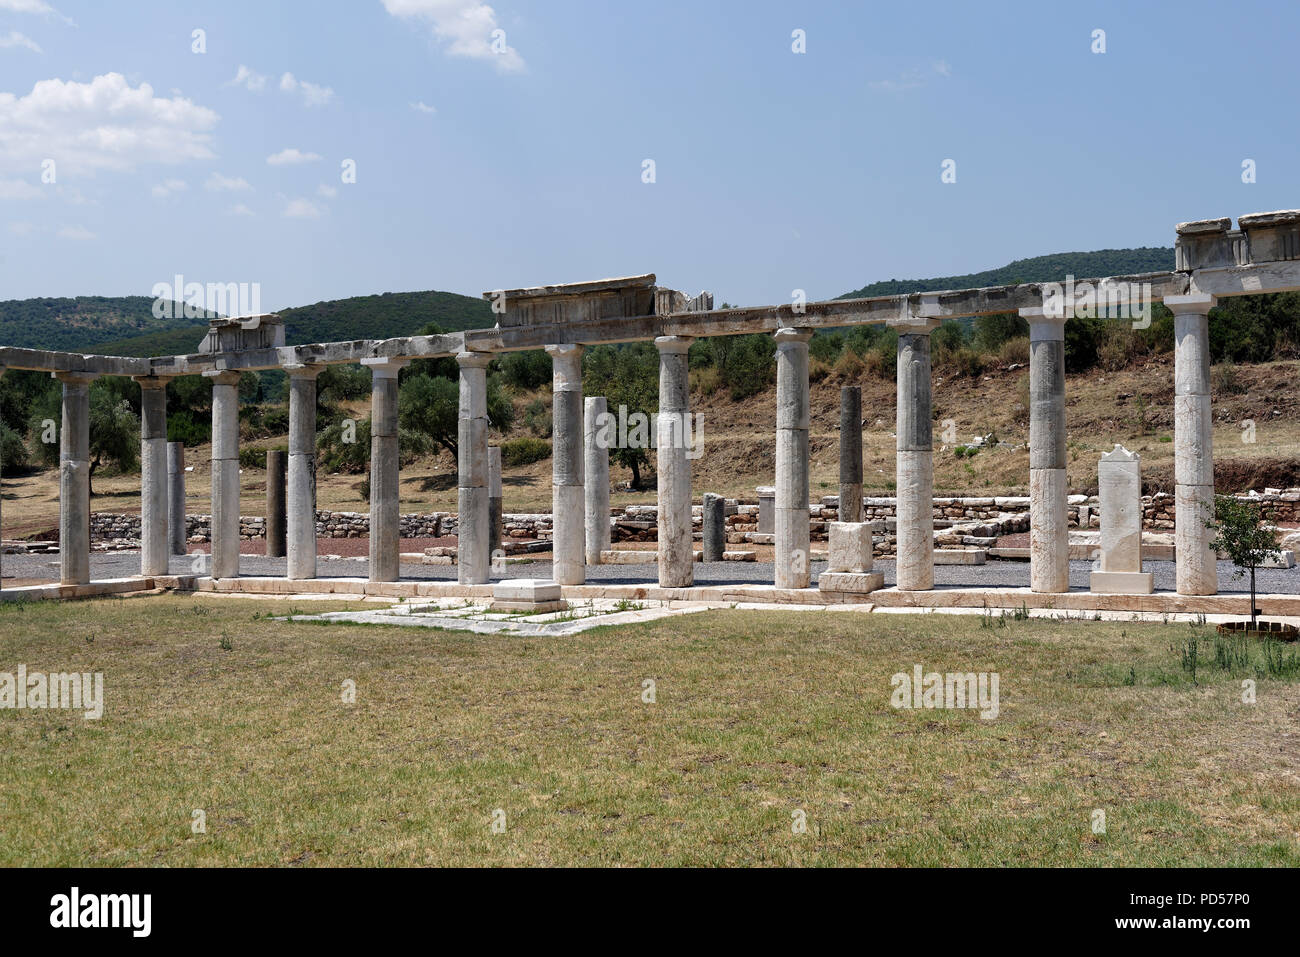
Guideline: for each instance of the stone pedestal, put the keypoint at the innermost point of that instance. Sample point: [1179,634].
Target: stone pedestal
[176,497]
[715,527]
[74,479]
[849,560]
[1049,537]
[527,594]
[225,474]
[473,539]
[1119,570]
[300,496]
[850,454]
[676,556]
[792,529]
[154,558]
[595,460]
[275,504]
[1196,570]
[915,478]
[385,480]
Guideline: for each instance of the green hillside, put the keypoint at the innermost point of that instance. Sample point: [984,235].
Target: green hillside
[1053,268]
[125,326]
[81,324]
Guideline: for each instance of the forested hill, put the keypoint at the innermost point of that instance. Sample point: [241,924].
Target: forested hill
[77,325]
[126,325]
[1053,268]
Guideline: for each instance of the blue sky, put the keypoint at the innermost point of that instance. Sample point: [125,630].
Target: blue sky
[478,169]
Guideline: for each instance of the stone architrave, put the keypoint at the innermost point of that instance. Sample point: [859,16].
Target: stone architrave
[1119,477]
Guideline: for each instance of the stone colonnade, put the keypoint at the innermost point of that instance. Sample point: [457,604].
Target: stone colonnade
[581,464]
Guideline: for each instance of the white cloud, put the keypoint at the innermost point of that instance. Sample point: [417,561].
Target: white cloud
[312,94]
[291,156]
[303,209]
[253,82]
[239,209]
[13,189]
[16,39]
[423,107]
[912,78]
[169,186]
[327,191]
[466,26]
[103,124]
[79,233]
[216,183]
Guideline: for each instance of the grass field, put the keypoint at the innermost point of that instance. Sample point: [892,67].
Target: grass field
[757,716]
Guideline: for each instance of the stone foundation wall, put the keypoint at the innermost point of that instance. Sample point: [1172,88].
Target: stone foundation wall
[968,522]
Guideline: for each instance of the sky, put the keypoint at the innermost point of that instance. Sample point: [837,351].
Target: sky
[795,145]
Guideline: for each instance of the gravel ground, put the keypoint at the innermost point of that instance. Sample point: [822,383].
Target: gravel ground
[27,569]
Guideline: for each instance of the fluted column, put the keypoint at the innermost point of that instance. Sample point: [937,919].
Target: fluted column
[385,498]
[176,536]
[225,474]
[568,521]
[154,557]
[914,515]
[74,479]
[1049,534]
[1196,569]
[595,460]
[672,438]
[473,548]
[793,537]
[300,524]
[850,454]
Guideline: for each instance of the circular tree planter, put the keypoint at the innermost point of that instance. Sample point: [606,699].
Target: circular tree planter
[1271,629]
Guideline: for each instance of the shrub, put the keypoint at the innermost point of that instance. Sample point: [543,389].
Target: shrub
[850,365]
[1227,379]
[524,451]
[1014,351]
[337,454]
[253,458]
[826,346]
[13,451]
[706,380]
[184,427]
[526,370]
[538,419]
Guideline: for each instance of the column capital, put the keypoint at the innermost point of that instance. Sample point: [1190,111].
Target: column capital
[474,360]
[1045,325]
[564,350]
[152,381]
[303,370]
[1198,304]
[222,376]
[792,334]
[384,367]
[913,325]
[72,377]
[673,344]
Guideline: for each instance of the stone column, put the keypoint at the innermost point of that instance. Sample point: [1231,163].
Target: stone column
[850,454]
[300,511]
[1049,536]
[672,439]
[225,474]
[793,539]
[176,497]
[1196,570]
[568,521]
[2,372]
[595,459]
[494,505]
[914,570]
[154,544]
[74,479]
[275,505]
[473,541]
[385,499]
[715,527]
